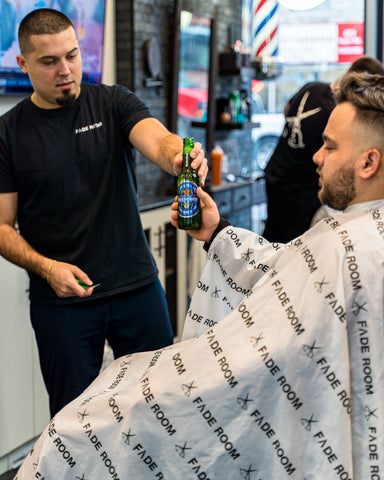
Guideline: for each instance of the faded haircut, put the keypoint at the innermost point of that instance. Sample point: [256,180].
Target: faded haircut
[40,22]
[366,93]
[367,64]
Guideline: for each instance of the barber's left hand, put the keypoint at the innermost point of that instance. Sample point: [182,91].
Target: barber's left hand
[199,162]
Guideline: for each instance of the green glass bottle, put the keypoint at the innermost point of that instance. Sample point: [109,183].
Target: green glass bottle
[189,208]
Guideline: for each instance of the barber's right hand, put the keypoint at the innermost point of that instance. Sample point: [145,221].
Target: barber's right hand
[63,279]
[210,216]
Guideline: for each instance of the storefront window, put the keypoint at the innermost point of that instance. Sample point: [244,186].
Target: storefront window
[314,44]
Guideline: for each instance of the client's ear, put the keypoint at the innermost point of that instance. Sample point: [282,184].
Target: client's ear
[370,163]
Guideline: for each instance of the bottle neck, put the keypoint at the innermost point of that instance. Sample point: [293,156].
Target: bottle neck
[186,157]
[187,149]
[186,161]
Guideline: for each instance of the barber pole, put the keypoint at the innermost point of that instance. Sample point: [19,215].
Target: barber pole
[264,28]
[246,23]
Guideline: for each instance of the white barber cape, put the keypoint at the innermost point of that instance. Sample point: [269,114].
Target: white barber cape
[288,385]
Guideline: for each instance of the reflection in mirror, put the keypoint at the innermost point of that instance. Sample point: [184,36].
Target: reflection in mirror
[192,101]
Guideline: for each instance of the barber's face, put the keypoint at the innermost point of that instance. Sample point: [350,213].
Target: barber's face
[336,159]
[54,68]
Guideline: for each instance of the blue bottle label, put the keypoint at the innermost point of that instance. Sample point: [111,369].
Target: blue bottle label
[187,199]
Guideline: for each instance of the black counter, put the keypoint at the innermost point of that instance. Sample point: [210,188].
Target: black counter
[229,197]
[154,201]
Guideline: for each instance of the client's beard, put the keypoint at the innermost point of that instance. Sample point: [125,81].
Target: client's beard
[67,99]
[341,190]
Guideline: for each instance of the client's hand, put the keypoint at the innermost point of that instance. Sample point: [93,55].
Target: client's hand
[210,217]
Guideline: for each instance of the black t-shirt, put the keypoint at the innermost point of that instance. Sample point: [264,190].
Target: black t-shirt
[308,113]
[73,170]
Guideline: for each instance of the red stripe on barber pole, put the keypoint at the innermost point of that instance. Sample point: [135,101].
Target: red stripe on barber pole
[265,28]
[260,5]
[266,42]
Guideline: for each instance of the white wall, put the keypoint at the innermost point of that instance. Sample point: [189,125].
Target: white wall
[109,54]
[109,60]
[370,27]
[7,102]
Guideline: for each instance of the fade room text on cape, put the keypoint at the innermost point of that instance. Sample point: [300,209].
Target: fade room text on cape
[280,374]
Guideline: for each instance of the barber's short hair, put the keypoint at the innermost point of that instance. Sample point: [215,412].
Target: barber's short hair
[40,22]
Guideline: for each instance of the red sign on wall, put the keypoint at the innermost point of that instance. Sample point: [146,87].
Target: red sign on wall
[350,42]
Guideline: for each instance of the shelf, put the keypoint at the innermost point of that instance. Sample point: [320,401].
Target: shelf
[261,68]
[238,126]
[229,126]
[233,63]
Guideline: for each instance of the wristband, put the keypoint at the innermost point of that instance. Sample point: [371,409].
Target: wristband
[49,271]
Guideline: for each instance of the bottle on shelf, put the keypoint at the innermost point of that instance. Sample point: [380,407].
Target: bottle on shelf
[216,159]
[244,115]
[234,106]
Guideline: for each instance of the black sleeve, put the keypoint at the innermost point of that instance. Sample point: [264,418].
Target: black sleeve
[222,224]
[7,177]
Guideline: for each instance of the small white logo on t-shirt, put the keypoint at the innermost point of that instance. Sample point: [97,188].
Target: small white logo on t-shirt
[88,128]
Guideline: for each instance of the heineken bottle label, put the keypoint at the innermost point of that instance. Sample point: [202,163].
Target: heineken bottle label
[187,199]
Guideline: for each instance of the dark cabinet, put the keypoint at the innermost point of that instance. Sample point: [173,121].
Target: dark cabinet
[242,204]
[169,249]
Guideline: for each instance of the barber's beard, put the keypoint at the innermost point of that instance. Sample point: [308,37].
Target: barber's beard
[339,191]
[67,99]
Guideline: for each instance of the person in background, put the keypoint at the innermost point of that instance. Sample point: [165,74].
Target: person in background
[291,179]
[67,177]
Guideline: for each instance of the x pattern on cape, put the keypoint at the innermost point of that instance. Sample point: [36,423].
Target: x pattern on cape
[280,374]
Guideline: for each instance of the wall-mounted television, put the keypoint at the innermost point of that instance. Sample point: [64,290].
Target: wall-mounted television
[88,17]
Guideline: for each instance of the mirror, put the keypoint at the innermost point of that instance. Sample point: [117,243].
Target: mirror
[193,74]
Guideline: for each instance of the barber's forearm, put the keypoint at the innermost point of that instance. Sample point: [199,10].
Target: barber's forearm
[156,143]
[170,146]
[15,249]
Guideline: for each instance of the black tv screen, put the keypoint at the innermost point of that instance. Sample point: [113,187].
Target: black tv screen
[88,18]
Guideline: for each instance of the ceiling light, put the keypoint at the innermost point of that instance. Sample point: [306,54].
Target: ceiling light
[300,4]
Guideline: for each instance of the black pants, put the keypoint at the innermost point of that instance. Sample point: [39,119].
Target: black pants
[290,209]
[71,337]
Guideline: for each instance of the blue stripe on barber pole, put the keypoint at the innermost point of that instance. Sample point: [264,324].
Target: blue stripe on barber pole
[264,28]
